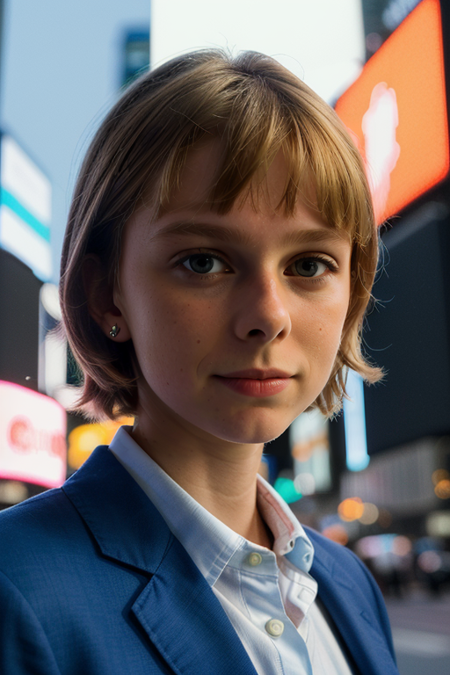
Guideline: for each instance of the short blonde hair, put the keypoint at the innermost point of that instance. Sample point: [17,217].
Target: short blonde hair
[257,108]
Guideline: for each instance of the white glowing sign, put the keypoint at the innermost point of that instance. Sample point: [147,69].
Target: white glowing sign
[32,437]
[310,448]
[322,42]
[25,209]
[355,423]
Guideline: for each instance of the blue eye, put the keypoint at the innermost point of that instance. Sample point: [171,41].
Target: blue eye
[204,263]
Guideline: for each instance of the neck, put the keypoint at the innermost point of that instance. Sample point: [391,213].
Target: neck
[219,475]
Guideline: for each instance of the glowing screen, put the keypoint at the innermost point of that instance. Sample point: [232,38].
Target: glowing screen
[32,437]
[396,110]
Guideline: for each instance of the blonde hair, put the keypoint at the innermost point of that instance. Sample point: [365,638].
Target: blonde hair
[257,108]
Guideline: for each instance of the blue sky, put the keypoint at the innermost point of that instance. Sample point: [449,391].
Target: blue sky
[61,64]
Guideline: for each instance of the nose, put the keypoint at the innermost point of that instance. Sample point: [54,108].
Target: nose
[263,313]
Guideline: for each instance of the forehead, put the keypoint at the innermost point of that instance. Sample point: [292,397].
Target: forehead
[202,170]
[190,209]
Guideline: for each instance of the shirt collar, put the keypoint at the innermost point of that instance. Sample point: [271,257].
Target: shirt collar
[209,542]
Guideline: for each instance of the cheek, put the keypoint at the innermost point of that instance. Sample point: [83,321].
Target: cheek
[172,335]
[324,329]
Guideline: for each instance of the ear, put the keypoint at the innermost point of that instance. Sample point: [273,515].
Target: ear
[99,294]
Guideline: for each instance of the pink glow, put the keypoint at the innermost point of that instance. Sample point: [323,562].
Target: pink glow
[32,436]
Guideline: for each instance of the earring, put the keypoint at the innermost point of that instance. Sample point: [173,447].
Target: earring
[115,330]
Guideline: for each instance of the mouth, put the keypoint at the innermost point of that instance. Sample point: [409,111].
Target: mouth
[256,382]
[258,374]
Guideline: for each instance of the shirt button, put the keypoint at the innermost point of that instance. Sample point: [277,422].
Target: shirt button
[254,559]
[274,627]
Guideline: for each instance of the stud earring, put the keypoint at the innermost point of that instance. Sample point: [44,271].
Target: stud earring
[115,330]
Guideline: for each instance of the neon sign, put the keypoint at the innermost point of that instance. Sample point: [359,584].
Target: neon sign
[32,437]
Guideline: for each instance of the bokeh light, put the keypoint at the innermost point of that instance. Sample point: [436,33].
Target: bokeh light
[429,562]
[442,489]
[336,533]
[305,483]
[370,514]
[438,475]
[401,546]
[351,509]
[286,488]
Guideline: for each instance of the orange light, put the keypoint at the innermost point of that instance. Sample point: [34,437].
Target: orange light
[351,509]
[85,438]
[397,111]
[336,533]
[442,489]
[438,475]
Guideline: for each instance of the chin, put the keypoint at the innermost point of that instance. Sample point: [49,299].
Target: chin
[254,431]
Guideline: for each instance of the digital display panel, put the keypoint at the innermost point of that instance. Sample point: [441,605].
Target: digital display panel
[322,42]
[396,111]
[25,209]
[32,437]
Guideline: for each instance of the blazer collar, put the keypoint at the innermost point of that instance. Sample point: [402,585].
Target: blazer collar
[125,524]
[353,613]
[177,608]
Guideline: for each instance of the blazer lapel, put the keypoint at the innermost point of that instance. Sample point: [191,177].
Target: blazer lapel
[186,622]
[177,609]
[352,614]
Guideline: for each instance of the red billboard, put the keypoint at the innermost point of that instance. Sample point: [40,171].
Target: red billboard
[396,111]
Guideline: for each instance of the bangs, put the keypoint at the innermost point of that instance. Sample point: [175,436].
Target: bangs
[254,122]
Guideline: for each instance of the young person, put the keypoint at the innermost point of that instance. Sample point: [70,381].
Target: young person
[217,265]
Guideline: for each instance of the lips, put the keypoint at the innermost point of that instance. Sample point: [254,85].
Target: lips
[258,374]
[256,382]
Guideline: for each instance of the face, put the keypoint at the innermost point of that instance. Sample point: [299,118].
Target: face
[236,319]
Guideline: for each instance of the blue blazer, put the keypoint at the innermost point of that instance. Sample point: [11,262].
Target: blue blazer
[92,582]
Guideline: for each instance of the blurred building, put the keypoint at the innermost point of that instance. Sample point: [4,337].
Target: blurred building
[32,425]
[389,453]
[136,54]
[67,93]
[398,112]
[381,18]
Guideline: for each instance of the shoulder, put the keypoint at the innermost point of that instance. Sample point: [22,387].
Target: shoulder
[47,533]
[35,530]
[44,513]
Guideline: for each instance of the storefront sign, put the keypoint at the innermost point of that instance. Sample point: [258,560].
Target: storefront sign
[32,437]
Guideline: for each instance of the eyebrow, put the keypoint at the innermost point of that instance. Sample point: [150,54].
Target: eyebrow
[224,233]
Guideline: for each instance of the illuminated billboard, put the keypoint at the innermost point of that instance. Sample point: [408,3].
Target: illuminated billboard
[322,41]
[25,209]
[32,437]
[396,111]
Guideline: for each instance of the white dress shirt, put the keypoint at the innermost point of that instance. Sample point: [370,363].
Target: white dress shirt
[269,596]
